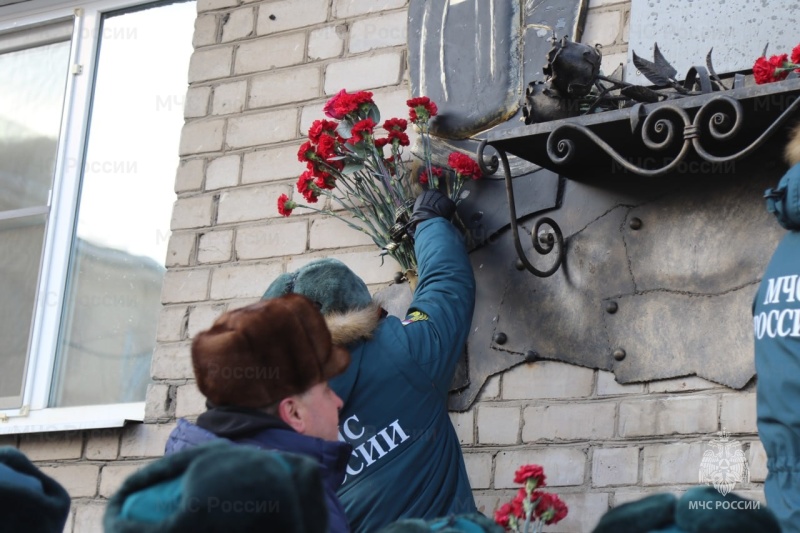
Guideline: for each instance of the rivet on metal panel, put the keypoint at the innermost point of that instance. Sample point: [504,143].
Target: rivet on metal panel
[635,223]
[531,356]
[619,354]
[499,338]
[518,264]
[611,307]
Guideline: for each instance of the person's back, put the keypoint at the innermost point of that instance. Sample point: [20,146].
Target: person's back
[406,461]
[776,327]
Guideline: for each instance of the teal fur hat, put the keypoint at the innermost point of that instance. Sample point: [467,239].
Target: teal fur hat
[328,282]
[221,486]
[700,510]
[30,501]
[784,200]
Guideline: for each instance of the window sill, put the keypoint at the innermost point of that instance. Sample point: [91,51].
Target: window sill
[70,418]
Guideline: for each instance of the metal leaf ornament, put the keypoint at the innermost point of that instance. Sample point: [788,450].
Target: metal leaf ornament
[660,72]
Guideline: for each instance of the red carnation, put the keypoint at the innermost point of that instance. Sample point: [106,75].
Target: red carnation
[326,146]
[526,472]
[796,54]
[361,130]
[380,143]
[318,127]
[325,181]
[306,152]
[550,508]
[402,138]
[395,124]
[502,514]
[304,182]
[464,166]
[342,104]
[766,70]
[421,109]
[436,171]
[285,206]
[311,194]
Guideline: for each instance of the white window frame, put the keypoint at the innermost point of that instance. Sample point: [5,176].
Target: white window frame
[35,416]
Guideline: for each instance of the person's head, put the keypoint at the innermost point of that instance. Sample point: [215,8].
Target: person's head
[328,282]
[275,355]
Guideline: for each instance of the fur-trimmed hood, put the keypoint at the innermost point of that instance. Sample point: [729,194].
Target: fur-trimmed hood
[354,325]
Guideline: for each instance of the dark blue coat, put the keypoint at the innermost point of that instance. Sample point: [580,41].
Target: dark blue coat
[273,435]
[776,321]
[406,459]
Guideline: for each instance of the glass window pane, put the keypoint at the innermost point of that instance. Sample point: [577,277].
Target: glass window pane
[31,101]
[20,255]
[117,264]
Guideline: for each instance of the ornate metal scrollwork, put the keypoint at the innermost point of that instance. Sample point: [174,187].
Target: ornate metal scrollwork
[543,242]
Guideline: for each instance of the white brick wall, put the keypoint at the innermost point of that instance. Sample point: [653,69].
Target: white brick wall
[259,77]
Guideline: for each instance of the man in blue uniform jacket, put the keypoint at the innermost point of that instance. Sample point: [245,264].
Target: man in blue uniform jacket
[406,460]
[776,322]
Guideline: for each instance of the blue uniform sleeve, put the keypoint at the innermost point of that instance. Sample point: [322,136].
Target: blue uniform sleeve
[440,315]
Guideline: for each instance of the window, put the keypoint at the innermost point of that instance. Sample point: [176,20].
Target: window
[89,131]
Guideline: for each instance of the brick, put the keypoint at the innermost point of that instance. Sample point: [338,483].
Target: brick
[223,172]
[274,240]
[366,265]
[272,164]
[627,495]
[488,501]
[738,413]
[243,281]
[196,104]
[378,32]
[626,30]
[208,5]
[615,466]
[158,402]
[562,466]
[180,249]
[79,480]
[585,510]
[238,24]
[464,424]
[283,87]
[330,232]
[602,28]
[479,469]
[210,64]
[189,176]
[261,55]
[607,385]
[229,98]
[184,286]
[190,401]
[688,383]
[250,203]
[144,440]
[171,361]
[309,114]
[668,416]
[205,30]
[490,390]
[102,444]
[112,476]
[192,212]
[364,72]
[498,425]
[757,461]
[172,323]
[667,464]
[88,517]
[215,247]
[352,8]
[569,422]
[547,379]
[199,137]
[202,317]
[262,128]
[328,42]
[289,14]
[52,446]
[599,3]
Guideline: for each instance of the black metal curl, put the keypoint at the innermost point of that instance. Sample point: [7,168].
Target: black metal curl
[665,127]
[696,143]
[560,151]
[492,166]
[719,124]
[559,238]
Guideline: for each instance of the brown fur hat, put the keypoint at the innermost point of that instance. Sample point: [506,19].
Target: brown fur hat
[260,354]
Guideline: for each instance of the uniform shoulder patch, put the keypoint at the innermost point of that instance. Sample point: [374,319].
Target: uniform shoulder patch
[414,316]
